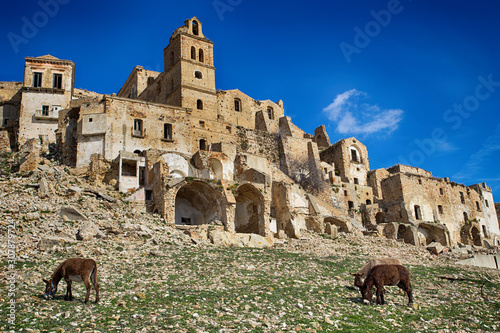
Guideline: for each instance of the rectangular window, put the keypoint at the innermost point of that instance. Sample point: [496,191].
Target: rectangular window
[356,181]
[228,129]
[486,202]
[202,124]
[57,82]
[45,110]
[167,131]
[351,205]
[440,209]
[37,80]
[418,213]
[354,155]
[462,199]
[237,105]
[478,206]
[138,129]
[441,191]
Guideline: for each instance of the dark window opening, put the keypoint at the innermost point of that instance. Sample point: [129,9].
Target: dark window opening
[37,80]
[142,176]
[356,181]
[354,155]
[138,129]
[345,193]
[193,53]
[45,110]
[486,202]
[270,113]
[478,206]
[203,144]
[167,131]
[420,181]
[351,205]
[129,168]
[440,209]
[199,104]
[202,124]
[228,129]
[201,56]
[441,191]
[466,217]
[90,120]
[237,105]
[172,58]
[196,31]
[485,232]
[185,220]
[418,213]
[368,202]
[149,195]
[57,81]
[198,75]
[462,199]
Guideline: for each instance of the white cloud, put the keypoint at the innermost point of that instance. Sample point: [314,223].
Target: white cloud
[355,117]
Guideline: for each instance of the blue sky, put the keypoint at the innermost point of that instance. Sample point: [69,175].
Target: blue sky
[418,82]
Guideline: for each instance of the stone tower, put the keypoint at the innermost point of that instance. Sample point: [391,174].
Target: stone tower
[190,71]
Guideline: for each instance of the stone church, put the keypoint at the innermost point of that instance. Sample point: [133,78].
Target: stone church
[176,146]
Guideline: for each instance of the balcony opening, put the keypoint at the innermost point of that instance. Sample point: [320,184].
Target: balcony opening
[57,81]
[37,80]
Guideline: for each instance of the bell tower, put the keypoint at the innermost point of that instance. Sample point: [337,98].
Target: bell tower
[190,71]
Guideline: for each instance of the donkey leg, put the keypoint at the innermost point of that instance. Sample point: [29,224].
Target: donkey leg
[68,296]
[96,285]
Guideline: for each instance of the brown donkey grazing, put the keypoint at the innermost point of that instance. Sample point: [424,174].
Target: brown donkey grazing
[74,269]
[386,275]
[363,272]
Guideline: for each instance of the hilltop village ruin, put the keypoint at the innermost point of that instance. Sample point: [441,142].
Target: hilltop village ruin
[178,147]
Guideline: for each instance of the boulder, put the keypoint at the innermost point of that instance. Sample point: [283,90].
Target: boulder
[71,214]
[43,188]
[435,248]
[88,230]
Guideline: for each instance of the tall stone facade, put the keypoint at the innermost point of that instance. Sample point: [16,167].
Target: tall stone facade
[196,155]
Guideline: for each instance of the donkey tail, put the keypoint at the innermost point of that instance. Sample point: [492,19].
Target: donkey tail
[93,276]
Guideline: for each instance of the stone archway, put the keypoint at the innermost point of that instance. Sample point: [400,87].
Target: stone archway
[341,225]
[249,215]
[476,236]
[198,203]
[429,233]
[216,168]
[406,234]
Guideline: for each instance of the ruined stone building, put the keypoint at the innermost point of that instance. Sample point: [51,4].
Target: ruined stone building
[178,147]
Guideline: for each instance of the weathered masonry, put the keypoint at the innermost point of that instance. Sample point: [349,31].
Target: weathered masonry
[178,147]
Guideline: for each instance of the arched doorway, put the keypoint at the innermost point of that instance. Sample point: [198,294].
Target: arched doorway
[406,234]
[476,236]
[249,216]
[216,168]
[198,203]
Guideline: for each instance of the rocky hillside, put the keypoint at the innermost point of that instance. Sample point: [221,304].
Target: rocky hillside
[155,277]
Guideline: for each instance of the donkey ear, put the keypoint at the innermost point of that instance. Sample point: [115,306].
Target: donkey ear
[354,274]
[45,281]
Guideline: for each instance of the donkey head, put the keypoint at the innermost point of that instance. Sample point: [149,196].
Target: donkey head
[366,293]
[357,279]
[50,289]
